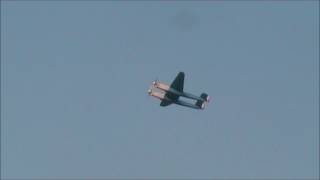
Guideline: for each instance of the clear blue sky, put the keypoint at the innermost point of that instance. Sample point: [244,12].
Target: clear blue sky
[75,74]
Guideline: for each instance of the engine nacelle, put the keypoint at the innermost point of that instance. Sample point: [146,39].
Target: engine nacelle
[156,94]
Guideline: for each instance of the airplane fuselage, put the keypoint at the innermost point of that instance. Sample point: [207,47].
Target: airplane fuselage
[174,91]
[161,96]
[184,103]
[167,88]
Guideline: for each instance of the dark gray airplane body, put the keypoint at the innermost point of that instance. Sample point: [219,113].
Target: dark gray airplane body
[182,103]
[185,94]
[174,91]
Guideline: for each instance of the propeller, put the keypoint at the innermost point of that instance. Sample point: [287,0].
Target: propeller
[155,81]
[150,90]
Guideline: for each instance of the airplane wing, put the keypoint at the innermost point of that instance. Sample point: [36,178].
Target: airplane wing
[165,103]
[177,84]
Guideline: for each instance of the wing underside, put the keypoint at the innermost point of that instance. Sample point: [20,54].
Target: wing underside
[165,102]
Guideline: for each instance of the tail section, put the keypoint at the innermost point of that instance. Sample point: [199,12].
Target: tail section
[201,104]
[205,97]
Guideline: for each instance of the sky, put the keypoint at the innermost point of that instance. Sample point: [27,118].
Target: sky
[75,75]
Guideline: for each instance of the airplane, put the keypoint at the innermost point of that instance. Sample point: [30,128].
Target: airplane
[174,91]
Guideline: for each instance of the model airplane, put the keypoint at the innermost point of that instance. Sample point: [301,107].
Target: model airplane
[174,91]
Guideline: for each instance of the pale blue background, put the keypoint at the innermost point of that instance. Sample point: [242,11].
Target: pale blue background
[75,74]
